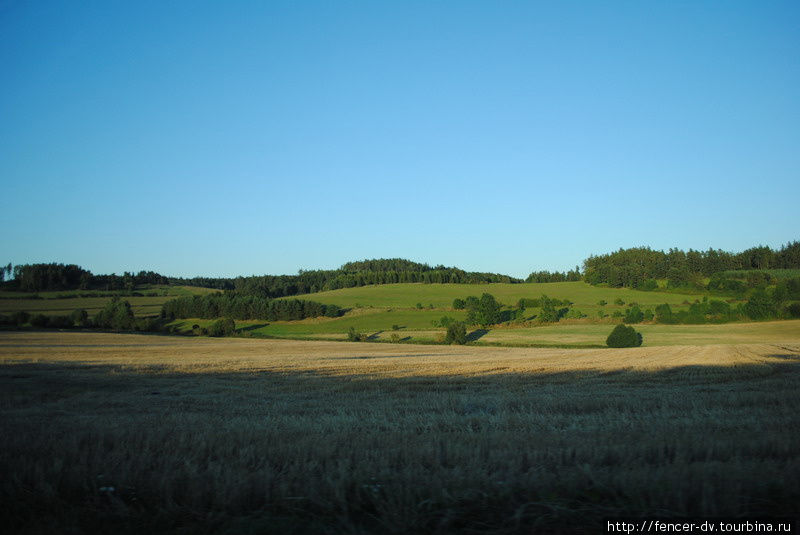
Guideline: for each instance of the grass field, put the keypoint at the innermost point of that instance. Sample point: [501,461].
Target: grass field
[139,433]
[62,303]
[585,296]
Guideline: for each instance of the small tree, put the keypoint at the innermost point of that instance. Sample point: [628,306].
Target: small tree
[549,313]
[634,315]
[80,318]
[760,306]
[459,304]
[624,336]
[39,320]
[456,333]
[664,314]
[484,311]
[353,335]
[222,327]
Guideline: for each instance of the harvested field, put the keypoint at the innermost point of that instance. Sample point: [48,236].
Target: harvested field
[224,436]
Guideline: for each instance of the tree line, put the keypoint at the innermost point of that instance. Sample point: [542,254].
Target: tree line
[56,276]
[242,306]
[639,267]
[572,275]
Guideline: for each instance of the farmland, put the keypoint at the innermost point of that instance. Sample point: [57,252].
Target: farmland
[140,432]
[442,295]
[408,312]
[145,301]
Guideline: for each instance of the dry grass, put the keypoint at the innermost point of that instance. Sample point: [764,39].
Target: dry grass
[237,436]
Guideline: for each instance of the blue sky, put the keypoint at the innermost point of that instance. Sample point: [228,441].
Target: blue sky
[263,137]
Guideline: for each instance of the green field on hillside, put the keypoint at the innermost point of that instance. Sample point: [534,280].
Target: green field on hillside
[584,296]
[60,303]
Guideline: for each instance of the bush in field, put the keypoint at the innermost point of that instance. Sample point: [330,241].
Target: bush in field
[618,301]
[222,327]
[648,285]
[633,315]
[20,318]
[602,302]
[332,311]
[80,318]
[624,336]
[459,304]
[484,311]
[355,336]
[549,314]
[793,310]
[664,314]
[39,320]
[760,306]
[445,321]
[117,315]
[60,322]
[456,333]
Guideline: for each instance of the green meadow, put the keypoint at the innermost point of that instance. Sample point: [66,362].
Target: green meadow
[442,295]
[58,303]
[388,313]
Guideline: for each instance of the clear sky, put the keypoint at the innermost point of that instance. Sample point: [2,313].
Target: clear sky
[237,138]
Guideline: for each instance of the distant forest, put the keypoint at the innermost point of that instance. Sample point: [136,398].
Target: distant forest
[638,267]
[48,277]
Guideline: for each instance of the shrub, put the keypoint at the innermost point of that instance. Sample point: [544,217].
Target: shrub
[649,285]
[648,315]
[602,302]
[332,311]
[459,304]
[484,311]
[624,336]
[633,315]
[20,318]
[446,321]
[80,318]
[147,324]
[116,315]
[760,306]
[618,301]
[664,314]
[419,306]
[395,327]
[60,322]
[456,333]
[222,327]
[355,336]
[549,314]
[793,310]
[39,320]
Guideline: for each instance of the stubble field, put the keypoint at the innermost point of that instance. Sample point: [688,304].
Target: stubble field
[135,432]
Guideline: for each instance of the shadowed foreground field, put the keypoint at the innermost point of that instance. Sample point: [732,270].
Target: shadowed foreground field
[132,433]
